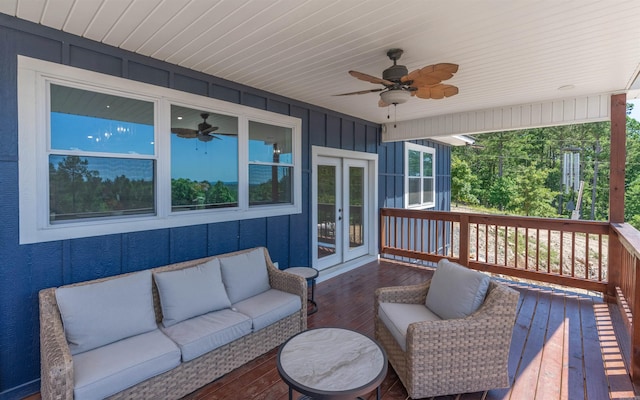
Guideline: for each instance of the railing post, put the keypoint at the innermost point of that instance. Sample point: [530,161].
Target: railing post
[464,240]
[614,261]
[381,244]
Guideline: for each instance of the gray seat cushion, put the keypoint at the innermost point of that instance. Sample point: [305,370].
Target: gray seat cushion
[268,307]
[100,313]
[456,291]
[200,335]
[189,292]
[245,274]
[109,369]
[398,316]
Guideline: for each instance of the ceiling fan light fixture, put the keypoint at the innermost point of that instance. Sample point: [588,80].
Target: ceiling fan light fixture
[396,96]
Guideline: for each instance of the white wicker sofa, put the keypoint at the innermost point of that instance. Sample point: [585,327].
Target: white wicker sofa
[167,331]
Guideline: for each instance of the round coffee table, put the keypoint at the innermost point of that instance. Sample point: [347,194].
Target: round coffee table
[332,363]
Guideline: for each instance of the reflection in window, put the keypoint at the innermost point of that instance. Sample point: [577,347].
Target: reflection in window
[119,182]
[270,164]
[87,121]
[204,159]
[91,187]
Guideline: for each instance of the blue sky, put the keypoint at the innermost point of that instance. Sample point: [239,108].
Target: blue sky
[216,160]
[635,114]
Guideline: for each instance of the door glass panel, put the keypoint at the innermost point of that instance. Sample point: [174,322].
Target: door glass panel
[326,210]
[356,207]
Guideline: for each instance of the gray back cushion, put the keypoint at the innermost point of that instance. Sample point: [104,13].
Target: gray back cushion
[456,291]
[245,275]
[189,292]
[100,313]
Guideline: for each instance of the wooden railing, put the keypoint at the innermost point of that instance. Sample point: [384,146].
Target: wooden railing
[625,257]
[596,256]
[559,251]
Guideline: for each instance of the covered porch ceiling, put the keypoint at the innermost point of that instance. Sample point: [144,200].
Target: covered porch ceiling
[510,53]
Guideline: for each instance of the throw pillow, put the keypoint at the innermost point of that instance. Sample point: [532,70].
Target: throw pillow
[456,291]
[100,313]
[189,292]
[245,275]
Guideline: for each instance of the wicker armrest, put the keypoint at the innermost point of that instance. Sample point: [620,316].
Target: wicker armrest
[56,364]
[414,294]
[482,337]
[289,283]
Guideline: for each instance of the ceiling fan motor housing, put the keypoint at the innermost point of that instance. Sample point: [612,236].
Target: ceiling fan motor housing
[394,73]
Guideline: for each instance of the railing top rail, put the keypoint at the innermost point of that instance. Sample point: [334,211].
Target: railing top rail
[558,224]
[629,237]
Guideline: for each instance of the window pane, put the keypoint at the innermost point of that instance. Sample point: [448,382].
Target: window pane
[204,159]
[90,187]
[356,205]
[326,210]
[427,164]
[414,163]
[414,191]
[270,184]
[427,187]
[96,122]
[270,143]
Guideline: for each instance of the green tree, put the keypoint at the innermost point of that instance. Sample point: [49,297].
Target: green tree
[462,180]
[502,193]
[532,197]
[219,194]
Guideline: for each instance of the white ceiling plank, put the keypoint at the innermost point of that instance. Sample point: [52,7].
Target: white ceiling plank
[105,18]
[136,14]
[9,7]
[31,10]
[206,27]
[56,12]
[161,16]
[81,15]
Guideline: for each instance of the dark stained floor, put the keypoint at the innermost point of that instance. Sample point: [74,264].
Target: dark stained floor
[563,346]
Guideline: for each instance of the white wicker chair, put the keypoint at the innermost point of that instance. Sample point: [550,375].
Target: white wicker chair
[451,356]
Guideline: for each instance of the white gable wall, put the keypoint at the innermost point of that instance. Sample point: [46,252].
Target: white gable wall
[577,110]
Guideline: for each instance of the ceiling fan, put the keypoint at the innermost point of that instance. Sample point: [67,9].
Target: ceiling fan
[203,133]
[400,85]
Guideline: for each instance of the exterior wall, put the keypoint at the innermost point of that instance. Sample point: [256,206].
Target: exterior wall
[575,110]
[26,269]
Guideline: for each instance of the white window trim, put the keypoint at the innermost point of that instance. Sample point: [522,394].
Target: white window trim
[422,149]
[33,138]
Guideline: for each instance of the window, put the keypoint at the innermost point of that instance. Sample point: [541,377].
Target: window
[204,159]
[270,164]
[101,157]
[109,155]
[419,176]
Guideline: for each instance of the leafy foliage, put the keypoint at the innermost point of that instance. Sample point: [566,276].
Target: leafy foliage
[521,171]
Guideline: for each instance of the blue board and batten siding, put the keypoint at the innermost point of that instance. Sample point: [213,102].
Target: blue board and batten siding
[25,269]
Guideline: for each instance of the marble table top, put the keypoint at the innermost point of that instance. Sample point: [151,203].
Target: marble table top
[332,360]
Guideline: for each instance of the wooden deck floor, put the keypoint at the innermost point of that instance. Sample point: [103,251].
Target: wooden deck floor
[563,344]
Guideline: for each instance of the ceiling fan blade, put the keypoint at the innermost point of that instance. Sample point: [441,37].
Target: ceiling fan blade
[360,92]
[431,74]
[184,132]
[209,130]
[370,78]
[438,91]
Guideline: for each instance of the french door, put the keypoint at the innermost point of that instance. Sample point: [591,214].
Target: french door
[342,210]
